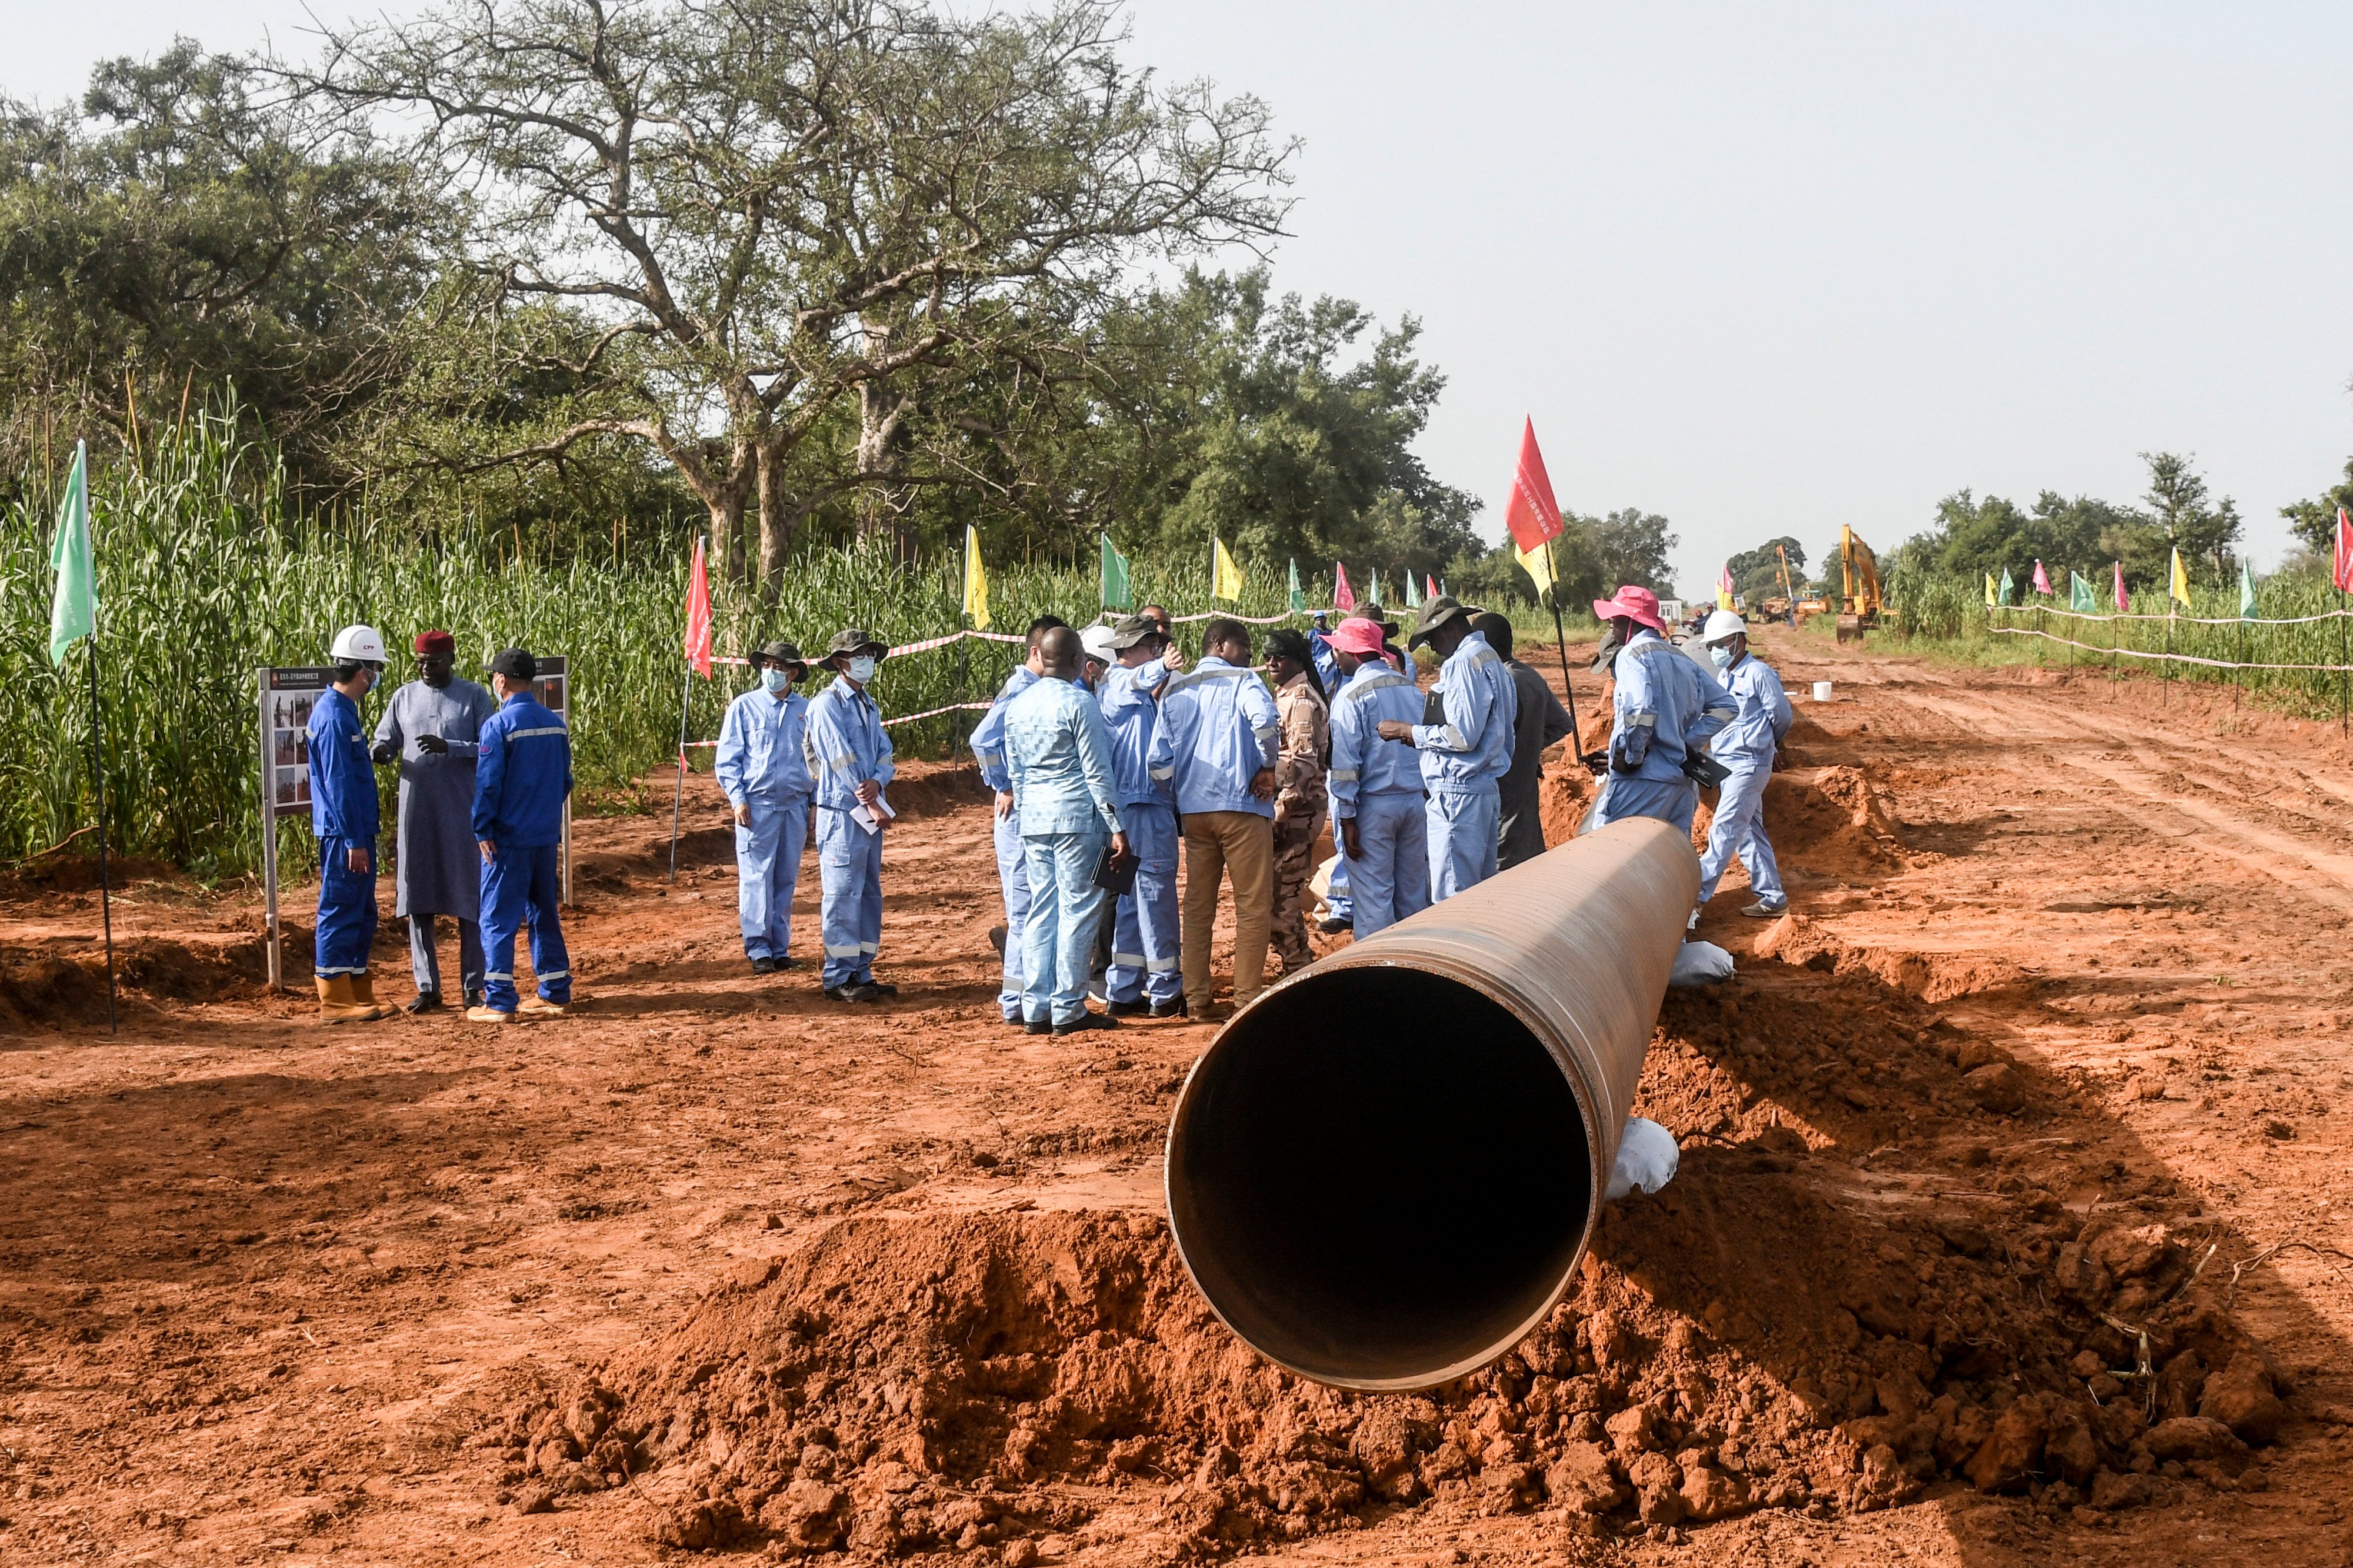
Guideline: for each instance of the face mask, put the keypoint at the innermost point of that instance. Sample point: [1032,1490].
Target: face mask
[1722,656]
[861,668]
[776,679]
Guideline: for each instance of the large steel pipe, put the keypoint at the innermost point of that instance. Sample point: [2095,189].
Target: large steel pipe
[1383,1172]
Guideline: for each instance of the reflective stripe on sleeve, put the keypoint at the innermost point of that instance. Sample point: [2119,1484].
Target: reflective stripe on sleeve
[1344,775]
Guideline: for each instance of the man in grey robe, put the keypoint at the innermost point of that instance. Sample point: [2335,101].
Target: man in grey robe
[432,725]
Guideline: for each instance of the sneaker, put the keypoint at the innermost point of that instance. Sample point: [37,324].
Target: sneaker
[1761,911]
[1172,1008]
[764,965]
[489,1015]
[1082,1022]
[423,1001]
[856,991]
[1036,1026]
[1134,1009]
[541,1007]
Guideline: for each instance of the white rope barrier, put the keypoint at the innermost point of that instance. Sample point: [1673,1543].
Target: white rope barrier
[2184,620]
[2176,658]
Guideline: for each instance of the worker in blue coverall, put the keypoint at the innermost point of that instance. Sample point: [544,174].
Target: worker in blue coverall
[764,772]
[1377,807]
[344,818]
[1746,746]
[1664,707]
[1012,874]
[523,776]
[849,756]
[1466,752]
[1144,976]
[1059,758]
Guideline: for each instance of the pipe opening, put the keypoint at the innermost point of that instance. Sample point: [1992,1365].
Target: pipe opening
[1378,1177]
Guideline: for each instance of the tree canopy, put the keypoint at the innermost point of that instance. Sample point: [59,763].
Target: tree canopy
[1974,537]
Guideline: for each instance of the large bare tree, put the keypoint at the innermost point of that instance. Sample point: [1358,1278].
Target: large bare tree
[764,207]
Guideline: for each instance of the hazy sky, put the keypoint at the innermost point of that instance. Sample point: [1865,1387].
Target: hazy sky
[1771,268]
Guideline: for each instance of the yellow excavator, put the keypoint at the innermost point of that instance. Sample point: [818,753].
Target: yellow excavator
[1859,608]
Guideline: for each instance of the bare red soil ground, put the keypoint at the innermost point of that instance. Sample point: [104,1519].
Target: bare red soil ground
[2053,1054]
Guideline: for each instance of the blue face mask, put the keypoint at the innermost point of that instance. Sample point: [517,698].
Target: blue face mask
[776,680]
[862,668]
[1721,654]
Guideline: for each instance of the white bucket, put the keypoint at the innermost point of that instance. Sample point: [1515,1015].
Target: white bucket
[1821,691]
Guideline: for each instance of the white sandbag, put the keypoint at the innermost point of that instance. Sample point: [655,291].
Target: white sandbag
[1700,963]
[1647,1157]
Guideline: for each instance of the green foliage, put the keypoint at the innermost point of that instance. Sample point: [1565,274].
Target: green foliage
[1973,537]
[2313,523]
[1757,574]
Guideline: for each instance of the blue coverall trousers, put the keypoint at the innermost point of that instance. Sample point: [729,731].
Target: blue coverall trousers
[1058,948]
[1013,877]
[1145,929]
[1462,827]
[1674,800]
[519,888]
[849,872]
[1392,880]
[767,868]
[1738,828]
[346,927]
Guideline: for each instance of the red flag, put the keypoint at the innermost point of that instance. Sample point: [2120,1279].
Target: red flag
[1533,515]
[1343,597]
[2343,575]
[1429,587]
[698,616]
[2041,579]
[2123,603]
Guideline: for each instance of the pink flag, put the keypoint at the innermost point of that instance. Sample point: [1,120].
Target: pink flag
[1343,597]
[2343,575]
[698,616]
[1532,515]
[2123,603]
[2041,579]
[1429,587]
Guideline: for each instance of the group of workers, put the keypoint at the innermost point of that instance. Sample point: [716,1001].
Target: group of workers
[1107,750]
[484,776]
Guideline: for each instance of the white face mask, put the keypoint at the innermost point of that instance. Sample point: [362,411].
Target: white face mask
[776,679]
[862,668]
[1721,654]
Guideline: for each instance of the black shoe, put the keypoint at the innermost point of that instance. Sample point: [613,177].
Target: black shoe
[423,1001]
[1172,1008]
[764,965]
[856,991]
[1082,1022]
[881,988]
[997,940]
[1135,1009]
[1333,925]
[784,964]
[473,999]
[1036,1026]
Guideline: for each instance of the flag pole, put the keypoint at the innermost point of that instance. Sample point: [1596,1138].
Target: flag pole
[1560,641]
[678,801]
[105,889]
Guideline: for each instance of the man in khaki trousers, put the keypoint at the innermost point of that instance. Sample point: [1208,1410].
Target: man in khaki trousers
[1217,742]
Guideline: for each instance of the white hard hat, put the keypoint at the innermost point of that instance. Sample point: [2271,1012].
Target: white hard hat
[1097,641]
[1722,624]
[358,645]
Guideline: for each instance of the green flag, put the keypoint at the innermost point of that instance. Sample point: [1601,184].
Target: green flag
[1377,590]
[2246,590]
[2079,592]
[73,611]
[1298,594]
[2006,588]
[1116,592]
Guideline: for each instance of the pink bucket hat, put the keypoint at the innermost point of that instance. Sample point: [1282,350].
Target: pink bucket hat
[1358,636]
[1638,602]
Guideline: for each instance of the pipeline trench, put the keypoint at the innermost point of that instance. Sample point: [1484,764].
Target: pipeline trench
[704,1269]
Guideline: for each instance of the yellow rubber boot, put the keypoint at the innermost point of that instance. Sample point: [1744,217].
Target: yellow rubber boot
[364,993]
[338,1005]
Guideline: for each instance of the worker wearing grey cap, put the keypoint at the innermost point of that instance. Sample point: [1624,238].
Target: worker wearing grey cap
[1465,746]
[764,772]
[848,754]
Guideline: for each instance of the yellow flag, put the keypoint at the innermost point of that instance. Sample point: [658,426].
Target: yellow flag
[975,579]
[1225,577]
[1992,592]
[1539,568]
[2180,579]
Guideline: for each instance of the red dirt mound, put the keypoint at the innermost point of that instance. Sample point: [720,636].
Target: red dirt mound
[43,986]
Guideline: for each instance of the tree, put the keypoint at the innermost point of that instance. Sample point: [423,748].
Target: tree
[768,209]
[2177,506]
[1757,574]
[2313,523]
[185,227]
[1632,546]
[1975,537]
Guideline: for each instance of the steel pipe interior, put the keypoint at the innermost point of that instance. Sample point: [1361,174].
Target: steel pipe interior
[1383,1172]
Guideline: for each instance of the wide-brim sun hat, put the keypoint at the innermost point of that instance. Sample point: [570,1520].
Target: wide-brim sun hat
[1130,630]
[1434,615]
[854,640]
[783,653]
[1360,637]
[1634,602]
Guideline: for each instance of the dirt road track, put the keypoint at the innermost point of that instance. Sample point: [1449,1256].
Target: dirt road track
[263,1288]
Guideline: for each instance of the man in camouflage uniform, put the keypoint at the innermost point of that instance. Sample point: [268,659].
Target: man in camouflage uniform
[1299,799]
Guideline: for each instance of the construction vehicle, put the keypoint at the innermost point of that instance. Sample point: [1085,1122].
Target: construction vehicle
[1859,606]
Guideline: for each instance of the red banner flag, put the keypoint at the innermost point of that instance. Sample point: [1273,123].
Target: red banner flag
[2343,575]
[1343,597]
[698,614]
[2123,603]
[1533,515]
[2041,579]
[1429,587]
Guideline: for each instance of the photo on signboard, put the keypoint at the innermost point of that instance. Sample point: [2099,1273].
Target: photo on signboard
[291,748]
[292,709]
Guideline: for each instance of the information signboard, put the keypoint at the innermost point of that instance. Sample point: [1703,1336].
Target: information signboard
[287,696]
